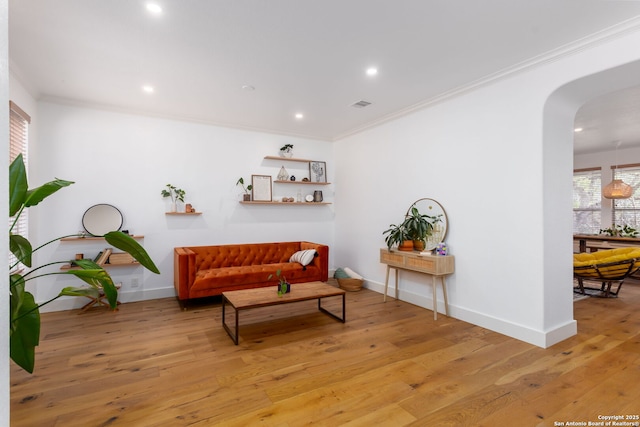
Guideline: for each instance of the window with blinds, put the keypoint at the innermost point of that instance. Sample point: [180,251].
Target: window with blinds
[18,138]
[587,201]
[625,211]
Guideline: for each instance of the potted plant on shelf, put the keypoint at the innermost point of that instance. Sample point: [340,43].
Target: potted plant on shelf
[246,196]
[418,228]
[286,150]
[24,311]
[175,194]
[284,287]
[397,234]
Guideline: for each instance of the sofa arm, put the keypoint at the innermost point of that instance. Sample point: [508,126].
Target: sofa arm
[184,271]
[322,260]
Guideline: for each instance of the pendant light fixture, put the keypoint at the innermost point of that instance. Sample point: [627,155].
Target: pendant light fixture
[617,189]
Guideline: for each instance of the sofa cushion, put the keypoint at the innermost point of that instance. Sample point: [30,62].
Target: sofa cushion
[242,255]
[303,257]
[230,277]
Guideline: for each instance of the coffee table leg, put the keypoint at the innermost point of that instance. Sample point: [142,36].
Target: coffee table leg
[344,311]
[233,336]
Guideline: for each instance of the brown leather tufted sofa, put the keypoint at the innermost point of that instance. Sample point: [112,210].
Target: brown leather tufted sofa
[201,271]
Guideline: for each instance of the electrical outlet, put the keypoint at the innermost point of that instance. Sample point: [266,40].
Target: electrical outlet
[134,282]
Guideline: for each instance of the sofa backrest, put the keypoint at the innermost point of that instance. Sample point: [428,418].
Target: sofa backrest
[237,255]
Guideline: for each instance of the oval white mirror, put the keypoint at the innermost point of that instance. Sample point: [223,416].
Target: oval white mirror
[100,219]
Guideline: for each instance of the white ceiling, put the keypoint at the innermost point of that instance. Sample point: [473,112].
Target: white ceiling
[609,121]
[300,55]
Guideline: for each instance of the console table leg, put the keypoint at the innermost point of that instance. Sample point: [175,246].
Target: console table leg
[444,292]
[386,284]
[397,275]
[435,298]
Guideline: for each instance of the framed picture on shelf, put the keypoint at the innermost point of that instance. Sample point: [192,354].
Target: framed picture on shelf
[318,171]
[261,188]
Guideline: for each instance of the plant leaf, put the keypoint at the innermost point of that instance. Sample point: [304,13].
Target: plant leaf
[38,194]
[17,185]
[98,278]
[87,264]
[21,248]
[16,294]
[128,244]
[25,334]
[80,292]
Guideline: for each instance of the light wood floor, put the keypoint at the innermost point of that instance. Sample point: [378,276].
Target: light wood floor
[391,364]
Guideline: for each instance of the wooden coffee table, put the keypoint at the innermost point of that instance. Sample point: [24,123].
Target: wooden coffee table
[263,297]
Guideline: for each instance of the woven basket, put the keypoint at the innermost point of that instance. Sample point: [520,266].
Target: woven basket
[350,284]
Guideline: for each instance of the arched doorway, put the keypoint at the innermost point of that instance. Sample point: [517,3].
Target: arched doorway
[559,114]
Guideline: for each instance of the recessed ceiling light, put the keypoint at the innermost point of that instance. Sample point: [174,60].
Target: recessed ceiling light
[299,116]
[372,71]
[578,130]
[148,89]
[154,8]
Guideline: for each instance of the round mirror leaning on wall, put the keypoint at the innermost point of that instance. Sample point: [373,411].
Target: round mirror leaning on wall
[439,220]
[100,219]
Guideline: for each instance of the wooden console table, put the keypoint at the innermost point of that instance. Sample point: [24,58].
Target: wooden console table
[438,267]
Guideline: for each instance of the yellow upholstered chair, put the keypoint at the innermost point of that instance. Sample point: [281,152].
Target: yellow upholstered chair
[607,266]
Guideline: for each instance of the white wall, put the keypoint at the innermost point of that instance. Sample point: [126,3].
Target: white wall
[126,160]
[499,159]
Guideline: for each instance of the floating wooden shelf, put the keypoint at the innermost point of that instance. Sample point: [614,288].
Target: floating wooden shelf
[129,264]
[285,203]
[287,159]
[183,213]
[79,239]
[302,182]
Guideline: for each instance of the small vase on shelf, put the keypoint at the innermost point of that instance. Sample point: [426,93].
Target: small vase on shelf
[174,207]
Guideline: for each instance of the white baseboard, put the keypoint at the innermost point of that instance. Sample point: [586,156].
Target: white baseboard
[538,338]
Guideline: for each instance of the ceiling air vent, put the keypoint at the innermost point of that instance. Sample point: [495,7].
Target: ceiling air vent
[360,104]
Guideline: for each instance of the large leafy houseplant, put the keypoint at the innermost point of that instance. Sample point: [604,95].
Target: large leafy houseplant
[24,311]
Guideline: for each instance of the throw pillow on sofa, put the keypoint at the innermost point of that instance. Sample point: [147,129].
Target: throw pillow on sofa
[303,257]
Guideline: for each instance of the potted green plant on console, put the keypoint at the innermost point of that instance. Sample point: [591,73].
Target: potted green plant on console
[398,234]
[418,228]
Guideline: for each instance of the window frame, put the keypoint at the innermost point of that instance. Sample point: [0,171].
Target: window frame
[593,210]
[621,208]
[19,122]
